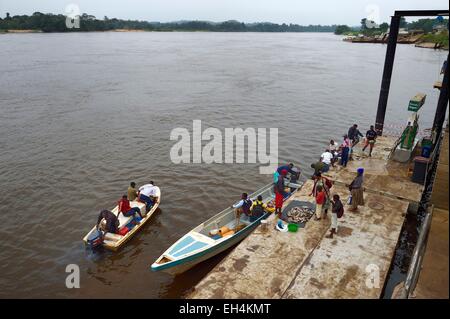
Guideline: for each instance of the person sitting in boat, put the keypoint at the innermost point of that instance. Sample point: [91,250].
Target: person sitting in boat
[279,192]
[144,194]
[125,208]
[108,222]
[132,192]
[288,168]
[258,208]
[154,193]
[243,207]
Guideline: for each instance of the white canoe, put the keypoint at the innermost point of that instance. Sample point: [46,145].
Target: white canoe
[197,245]
[115,241]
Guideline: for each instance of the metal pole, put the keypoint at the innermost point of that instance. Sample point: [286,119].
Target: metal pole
[441,109]
[387,73]
[419,251]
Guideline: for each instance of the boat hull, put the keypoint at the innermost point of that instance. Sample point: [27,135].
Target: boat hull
[191,246]
[114,246]
[187,263]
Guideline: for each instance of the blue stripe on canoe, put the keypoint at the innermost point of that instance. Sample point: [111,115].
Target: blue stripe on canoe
[243,232]
[186,241]
[195,246]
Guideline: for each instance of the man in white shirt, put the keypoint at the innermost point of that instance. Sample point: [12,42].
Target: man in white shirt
[149,194]
[327,158]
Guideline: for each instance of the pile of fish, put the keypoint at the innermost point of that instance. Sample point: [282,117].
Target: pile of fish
[299,215]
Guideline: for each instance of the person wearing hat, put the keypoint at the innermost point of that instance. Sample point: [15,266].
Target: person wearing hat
[357,190]
[345,146]
[279,192]
[289,168]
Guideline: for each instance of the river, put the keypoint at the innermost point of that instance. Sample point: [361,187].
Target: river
[83,114]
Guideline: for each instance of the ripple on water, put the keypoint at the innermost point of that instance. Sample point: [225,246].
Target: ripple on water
[71,144]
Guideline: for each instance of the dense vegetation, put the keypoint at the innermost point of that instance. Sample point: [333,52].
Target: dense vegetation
[441,38]
[425,25]
[57,23]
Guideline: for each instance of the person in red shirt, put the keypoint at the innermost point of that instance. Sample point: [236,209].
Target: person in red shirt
[126,209]
[320,200]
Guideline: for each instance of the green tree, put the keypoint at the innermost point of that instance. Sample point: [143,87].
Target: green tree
[341,29]
[403,23]
[384,27]
[363,24]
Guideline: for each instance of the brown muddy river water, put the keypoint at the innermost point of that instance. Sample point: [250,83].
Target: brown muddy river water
[83,114]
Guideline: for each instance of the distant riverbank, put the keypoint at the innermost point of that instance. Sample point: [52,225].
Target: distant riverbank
[57,23]
[437,40]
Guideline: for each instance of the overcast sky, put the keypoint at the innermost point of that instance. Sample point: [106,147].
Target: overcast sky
[289,11]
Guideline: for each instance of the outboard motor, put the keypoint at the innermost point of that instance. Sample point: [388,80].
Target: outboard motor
[95,239]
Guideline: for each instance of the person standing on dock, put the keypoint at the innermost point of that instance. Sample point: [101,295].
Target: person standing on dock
[371,137]
[354,134]
[357,190]
[320,201]
[345,150]
[279,192]
[337,211]
[325,184]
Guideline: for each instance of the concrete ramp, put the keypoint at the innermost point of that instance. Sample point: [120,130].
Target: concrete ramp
[306,264]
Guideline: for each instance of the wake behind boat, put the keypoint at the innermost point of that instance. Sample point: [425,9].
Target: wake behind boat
[205,241]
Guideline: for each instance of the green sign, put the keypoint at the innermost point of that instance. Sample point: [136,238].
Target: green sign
[416,102]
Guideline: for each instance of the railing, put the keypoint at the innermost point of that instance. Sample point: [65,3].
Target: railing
[419,251]
[417,258]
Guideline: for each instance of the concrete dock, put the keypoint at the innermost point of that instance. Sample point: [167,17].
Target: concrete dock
[306,264]
[433,279]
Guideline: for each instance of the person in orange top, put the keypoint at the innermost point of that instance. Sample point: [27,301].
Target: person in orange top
[320,200]
[126,209]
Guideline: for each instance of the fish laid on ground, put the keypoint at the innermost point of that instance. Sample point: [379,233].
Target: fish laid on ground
[299,214]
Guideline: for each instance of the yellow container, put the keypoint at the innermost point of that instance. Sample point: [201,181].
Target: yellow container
[229,233]
[224,230]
